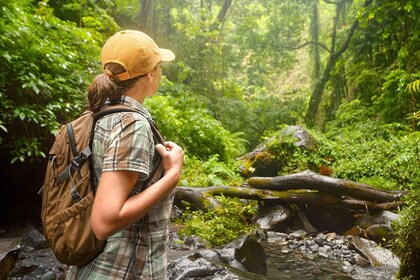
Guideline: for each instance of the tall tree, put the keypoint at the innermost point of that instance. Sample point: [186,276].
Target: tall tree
[147,22]
[314,32]
[223,10]
[334,54]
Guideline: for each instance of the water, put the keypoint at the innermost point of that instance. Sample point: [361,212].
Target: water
[296,265]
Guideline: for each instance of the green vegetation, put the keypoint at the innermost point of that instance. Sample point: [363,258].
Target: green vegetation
[346,70]
[222,224]
[407,243]
[46,63]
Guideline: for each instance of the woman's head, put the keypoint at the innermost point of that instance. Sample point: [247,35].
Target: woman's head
[126,57]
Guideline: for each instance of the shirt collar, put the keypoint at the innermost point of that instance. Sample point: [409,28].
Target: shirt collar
[131,102]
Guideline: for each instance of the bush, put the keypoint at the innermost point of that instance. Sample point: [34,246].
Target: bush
[184,120]
[46,67]
[211,172]
[407,242]
[222,224]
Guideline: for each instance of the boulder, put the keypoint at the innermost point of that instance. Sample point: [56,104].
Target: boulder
[380,233]
[261,161]
[385,217]
[250,254]
[377,256]
[303,138]
[243,256]
[28,256]
[273,217]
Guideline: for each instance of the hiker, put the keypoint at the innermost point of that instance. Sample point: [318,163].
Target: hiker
[131,217]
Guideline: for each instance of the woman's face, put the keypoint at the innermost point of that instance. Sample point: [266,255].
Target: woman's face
[157,77]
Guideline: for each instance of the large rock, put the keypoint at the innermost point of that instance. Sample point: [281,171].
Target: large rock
[9,252]
[273,217]
[377,227]
[381,217]
[303,138]
[244,256]
[24,254]
[261,162]
[377,256]
[380,233]
[250,254]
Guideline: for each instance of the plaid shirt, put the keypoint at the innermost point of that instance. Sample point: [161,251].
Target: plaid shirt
[124,141]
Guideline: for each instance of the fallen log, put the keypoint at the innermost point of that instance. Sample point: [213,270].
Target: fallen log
[372,207]
[203,198]
[325,184]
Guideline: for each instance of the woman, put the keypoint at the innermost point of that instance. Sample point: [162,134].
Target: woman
[130,211]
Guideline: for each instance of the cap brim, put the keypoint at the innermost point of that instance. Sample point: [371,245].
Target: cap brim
[166,55]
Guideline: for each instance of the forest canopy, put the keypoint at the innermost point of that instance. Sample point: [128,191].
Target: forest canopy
[242,69]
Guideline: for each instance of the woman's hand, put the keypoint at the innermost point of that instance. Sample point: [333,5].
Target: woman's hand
[172,156]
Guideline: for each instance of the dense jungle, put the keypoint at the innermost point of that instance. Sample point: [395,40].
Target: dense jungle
[347,71]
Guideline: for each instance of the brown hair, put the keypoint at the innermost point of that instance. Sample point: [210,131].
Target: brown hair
[103,87]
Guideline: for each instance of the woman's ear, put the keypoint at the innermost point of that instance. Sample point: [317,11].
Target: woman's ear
[149,77]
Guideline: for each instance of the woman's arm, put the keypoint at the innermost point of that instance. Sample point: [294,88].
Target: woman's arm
[113,210]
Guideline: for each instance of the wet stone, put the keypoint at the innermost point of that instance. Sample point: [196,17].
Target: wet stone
[323,252]
[298,234]
[286,251]
[320,240]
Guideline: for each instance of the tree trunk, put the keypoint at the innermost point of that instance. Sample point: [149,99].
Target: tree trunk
[370,206]
[300,188]
[147,22]
[316,97]
[203,198]
[223,11]
[325,184]
[315,38]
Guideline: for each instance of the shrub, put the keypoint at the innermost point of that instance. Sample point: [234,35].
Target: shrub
[46,68]
[210,172]
[407,242]
[222,224]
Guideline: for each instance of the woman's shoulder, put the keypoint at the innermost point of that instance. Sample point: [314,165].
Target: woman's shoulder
[122,120]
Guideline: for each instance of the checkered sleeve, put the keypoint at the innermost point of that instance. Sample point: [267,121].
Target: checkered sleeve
[129,145]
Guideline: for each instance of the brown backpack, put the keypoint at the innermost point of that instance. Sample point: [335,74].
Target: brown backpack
[68,193]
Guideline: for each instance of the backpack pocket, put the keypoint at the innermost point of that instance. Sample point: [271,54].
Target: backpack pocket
[77,244]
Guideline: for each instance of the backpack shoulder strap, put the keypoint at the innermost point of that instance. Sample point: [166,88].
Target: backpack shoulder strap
[124,108]
[72,139]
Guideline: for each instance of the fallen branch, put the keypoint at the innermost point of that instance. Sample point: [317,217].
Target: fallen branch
[203,198]
[370,206]
[333,186]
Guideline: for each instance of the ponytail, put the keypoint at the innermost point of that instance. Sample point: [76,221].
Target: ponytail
[104,88]
[99,90]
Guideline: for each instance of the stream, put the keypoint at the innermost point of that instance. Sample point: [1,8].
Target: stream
[307,267]
[286,258]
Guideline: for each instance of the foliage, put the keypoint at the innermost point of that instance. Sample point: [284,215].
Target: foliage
[363,149]
[126,13]
[46,65]
[182,118]
[222,224]
[284,155]
[212,172]
[91,15]
[383,58]
[407,241]
[395,100]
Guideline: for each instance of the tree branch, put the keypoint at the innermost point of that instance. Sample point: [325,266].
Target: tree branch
[309,43]
[333,186]
[330,2]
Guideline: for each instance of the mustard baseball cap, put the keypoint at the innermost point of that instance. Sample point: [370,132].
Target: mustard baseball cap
[135,51]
